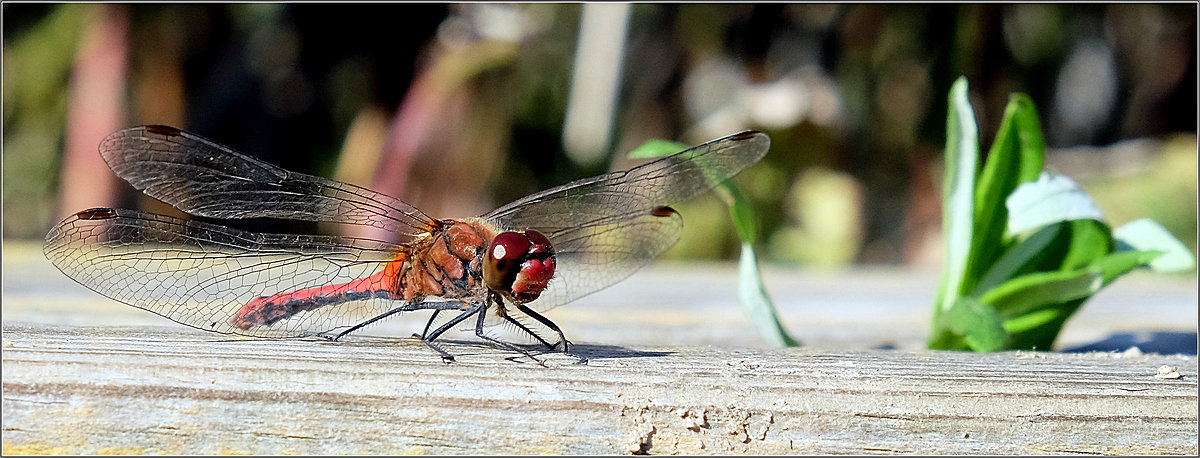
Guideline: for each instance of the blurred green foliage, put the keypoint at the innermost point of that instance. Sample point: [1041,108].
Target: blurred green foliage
[37,66]
[1025,248]
[847,92]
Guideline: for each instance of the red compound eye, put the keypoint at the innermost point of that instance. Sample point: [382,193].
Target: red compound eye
[508,246]
[539,241]
[519,265]
[503,260]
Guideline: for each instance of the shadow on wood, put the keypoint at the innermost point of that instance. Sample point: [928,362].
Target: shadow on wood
[1164,342]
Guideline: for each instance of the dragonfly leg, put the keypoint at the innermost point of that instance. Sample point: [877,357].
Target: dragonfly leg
[522,327]
[428,337]
[550,324]
[403,308]
[365,323]
[446,357]
[506,345]
[428,324]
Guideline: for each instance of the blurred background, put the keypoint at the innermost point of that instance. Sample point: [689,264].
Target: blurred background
[460,108]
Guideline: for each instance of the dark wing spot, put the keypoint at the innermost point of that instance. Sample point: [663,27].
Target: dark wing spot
[97,213]
[745,135]
[663,211]
[164,130]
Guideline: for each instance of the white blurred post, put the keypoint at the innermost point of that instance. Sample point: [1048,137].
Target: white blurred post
[595,80]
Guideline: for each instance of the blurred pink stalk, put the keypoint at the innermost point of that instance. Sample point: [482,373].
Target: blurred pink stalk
[96,108]
[429,129]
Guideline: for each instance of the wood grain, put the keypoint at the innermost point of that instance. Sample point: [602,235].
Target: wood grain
[675,367]
[165,390]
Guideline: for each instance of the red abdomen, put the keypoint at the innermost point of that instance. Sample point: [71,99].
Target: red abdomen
[444,264]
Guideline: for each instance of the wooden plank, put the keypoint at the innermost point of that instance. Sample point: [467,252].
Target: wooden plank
[165,390]
[695,304]
[692,377]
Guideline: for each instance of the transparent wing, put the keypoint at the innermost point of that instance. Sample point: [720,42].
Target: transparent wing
[599,255]
[202,274]
[606,227]
[204,178]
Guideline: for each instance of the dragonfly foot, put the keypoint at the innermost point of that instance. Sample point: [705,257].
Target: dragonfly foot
[527,355]
[446,357]
[566,346]
[325,335]
[566,351]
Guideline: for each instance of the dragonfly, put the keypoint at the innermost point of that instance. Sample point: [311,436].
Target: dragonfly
[508,265]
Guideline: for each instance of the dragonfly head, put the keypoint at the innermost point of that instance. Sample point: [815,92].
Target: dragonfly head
[519,265]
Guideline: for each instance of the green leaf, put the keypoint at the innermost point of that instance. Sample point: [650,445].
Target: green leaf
[1022,257]
[1036,326]
[1122,262]
[962,153]
[1030,247]
[1039,328]
[1029,133]
[1089,240]
[1058,247]
[1050,199]
[1147,235]
[740,211]
[751,291]
[656,147]
[980,327]
[757,303]
[1016,157]
[1035,291]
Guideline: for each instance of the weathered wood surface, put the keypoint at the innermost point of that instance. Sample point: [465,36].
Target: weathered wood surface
[674,368]
[151,390]
[696,304]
